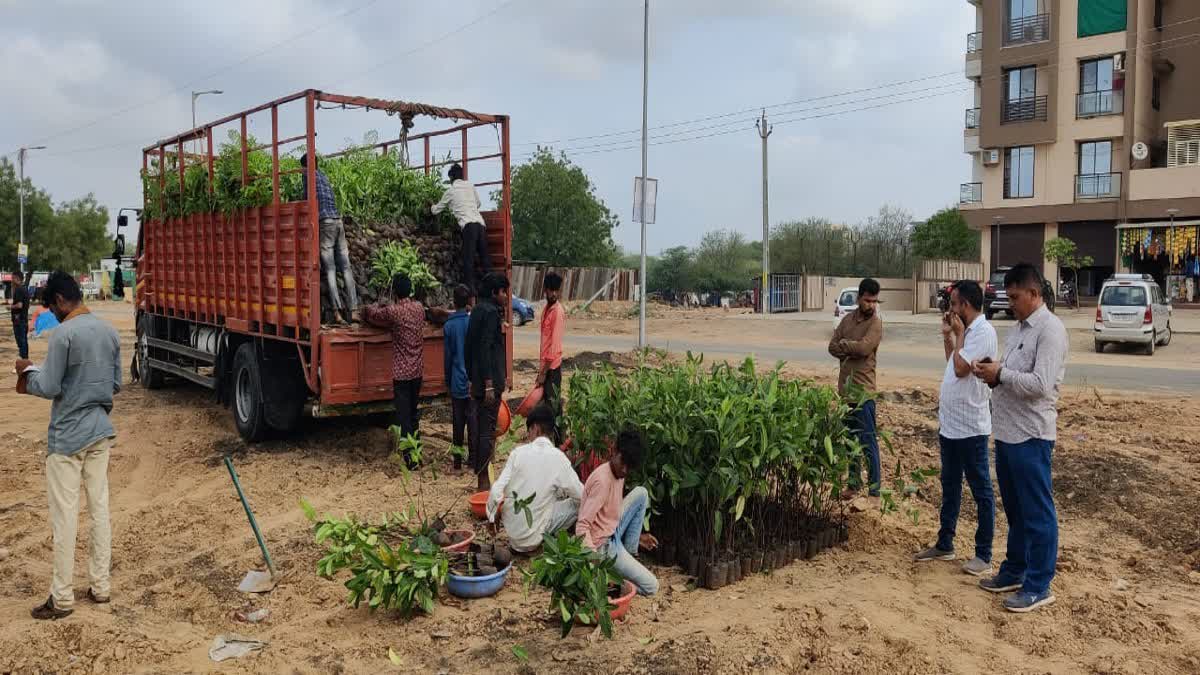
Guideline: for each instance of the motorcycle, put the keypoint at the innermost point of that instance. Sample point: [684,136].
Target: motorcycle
[1066,291]
[943,299]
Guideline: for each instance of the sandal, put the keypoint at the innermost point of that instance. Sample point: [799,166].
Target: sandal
[48,611]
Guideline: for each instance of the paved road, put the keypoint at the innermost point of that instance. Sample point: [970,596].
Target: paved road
[1128,378]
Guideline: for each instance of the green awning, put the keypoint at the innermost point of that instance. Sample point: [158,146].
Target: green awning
[1097,17]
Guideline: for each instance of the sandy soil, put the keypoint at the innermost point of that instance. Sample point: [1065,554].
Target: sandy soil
[1129,570]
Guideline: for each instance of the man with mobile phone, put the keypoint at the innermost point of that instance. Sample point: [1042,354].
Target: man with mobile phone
[965,420]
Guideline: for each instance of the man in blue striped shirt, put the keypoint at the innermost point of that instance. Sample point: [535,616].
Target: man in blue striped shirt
[335,252]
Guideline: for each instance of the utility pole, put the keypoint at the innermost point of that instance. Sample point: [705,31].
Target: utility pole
[21,192]
[645,115]
[764,131]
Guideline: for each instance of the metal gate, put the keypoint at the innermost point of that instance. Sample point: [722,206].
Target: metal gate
[785,293]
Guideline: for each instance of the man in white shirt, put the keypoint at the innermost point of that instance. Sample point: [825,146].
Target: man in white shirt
[538,492]
[463,201]
[966,422]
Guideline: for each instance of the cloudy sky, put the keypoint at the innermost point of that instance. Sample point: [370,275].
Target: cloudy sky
[96,80]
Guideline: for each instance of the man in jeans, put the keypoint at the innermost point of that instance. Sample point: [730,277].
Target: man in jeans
[1024,397]
[18,309]
[405,318]
[854,344]
[463,201]
[81,373]
[335,252]
[966,423]
[612,526]
[487,370]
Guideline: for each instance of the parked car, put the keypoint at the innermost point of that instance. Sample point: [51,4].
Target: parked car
[995,298]
[847,302]
[522,311]
[1133,310]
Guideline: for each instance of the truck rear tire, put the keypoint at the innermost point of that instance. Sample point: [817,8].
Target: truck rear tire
[248,409]
[151,378]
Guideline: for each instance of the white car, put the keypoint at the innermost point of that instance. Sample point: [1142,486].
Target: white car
[847,302]
[1133,309]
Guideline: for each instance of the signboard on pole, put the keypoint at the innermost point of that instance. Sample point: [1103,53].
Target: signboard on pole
[651,199]
[22,253]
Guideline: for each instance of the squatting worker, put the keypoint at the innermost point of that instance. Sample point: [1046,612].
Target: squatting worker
[550,359]
[540,474]
[966,422]
[855,342]
[485,356]
[1025,392]
[464,203]
[335,252]
[610,524]
[18,310]
[81,373]
[405,319]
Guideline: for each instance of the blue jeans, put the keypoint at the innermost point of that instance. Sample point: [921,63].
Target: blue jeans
[623,545]
[862,424]
[969,456]
[1023,472]
[21,333]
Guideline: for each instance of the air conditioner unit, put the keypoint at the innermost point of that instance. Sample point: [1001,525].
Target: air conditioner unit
[1119,62]
[991,156]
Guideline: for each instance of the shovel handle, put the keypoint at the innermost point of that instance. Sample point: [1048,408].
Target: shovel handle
[249,514]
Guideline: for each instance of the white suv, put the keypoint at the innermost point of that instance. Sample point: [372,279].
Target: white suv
[1133,309]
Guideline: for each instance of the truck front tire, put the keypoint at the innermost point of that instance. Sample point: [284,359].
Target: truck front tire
[248,410]
[151,378]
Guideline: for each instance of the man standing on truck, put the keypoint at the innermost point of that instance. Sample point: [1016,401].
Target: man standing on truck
[18,309]
[854,344]
[335,252]
[464,203]
[405,318]
[81,373]
[485,352]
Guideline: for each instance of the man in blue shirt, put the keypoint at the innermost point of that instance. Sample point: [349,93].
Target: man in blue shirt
[455,331]
[335,252]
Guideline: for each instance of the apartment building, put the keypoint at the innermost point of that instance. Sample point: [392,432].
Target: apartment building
[1086,125]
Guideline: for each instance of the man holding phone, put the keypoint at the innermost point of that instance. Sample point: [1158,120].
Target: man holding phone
[966,422]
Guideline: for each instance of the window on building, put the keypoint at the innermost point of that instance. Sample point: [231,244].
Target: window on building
[1158,14]
[1097,17]
[1183,144]
[1096,96]
[1095,170]
[1156,93]
[1022,9]
[1018,172]
[1020,95]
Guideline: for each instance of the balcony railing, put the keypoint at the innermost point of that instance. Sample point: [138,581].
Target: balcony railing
[1028,29]
[1035,108]
[970,193]
[1100,103]
[1098,186]
[972,120]
[974,43]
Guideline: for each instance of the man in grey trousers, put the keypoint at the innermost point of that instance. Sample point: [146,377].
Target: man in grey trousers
[335,252]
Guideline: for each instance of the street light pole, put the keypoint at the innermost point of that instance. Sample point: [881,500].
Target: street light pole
[764,130]
[21,192]
[642,210]
[198,94]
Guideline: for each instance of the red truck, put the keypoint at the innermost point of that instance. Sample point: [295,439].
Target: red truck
[232,302]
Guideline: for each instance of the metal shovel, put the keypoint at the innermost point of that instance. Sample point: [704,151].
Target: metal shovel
[255,581]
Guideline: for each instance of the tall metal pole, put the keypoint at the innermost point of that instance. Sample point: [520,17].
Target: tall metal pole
[642,211]
[21,197]
[764,130]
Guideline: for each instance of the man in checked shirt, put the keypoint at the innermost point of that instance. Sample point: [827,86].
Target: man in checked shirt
[405,318]
[1024,394]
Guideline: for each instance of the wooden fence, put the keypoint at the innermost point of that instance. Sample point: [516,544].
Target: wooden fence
[579,283]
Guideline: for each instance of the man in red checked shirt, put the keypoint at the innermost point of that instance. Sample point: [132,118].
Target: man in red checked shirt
[405,318]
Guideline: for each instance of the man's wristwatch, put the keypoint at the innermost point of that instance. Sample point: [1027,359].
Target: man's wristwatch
[998,371]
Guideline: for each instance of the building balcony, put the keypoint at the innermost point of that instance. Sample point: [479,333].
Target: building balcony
[1099,103]
[974,65]
[974,43]
[1032,109]
[1097,186]
[972,119]
[1177,182]
[1027,30]
[970,193]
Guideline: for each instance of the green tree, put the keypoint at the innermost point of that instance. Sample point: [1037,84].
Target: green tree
[725,261]
[39,216]
[1065,254]
[78,239]
[557,216]
[945,235]
[672,271]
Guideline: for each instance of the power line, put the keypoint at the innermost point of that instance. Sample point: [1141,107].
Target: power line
[223,69]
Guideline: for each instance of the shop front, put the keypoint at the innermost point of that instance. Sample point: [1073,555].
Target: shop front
[1167,251]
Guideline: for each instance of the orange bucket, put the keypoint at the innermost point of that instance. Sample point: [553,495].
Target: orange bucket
[534,398]
[503,419]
